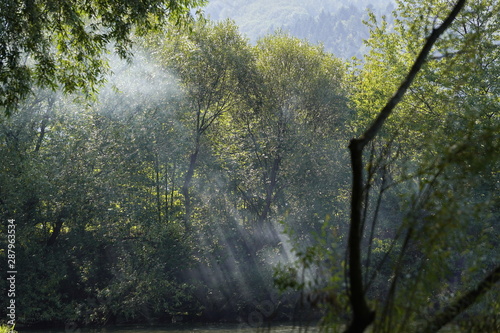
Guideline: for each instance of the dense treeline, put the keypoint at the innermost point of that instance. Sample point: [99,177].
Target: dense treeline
[209,170]
[165,196]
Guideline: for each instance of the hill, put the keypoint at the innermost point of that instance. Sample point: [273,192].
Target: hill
[335,24]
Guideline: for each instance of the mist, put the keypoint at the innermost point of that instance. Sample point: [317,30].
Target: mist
[208,181]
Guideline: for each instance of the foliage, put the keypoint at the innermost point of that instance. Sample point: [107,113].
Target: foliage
[125,204]
[63,43]
[6,329]
[430,190]
[430,153]
[87,227]
[206,161]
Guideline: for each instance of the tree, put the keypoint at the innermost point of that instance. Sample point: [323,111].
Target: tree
[212,66]
[430,154]
[276,141]
[63,43]
[78,181]
[362,315]
[429,206]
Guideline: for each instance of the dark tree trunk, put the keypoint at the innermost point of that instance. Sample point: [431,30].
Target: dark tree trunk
[362,316]
[187,183]
[57,227]
[270,190]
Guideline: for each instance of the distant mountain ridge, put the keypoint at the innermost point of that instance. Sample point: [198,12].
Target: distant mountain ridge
[336,24]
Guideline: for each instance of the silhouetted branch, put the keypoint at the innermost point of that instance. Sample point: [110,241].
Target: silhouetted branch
[461,304]
[362,315]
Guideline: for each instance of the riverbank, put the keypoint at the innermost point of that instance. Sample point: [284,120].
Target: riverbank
[183,328]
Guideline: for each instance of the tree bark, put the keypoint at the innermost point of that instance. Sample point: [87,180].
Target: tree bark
[362,315]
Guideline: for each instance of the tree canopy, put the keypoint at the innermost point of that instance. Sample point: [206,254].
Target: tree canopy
[210,180]
[64,43]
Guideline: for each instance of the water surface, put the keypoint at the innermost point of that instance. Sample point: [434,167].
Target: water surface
[200,328]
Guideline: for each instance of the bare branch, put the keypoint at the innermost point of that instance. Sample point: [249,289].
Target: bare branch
[417,65]
[363,316]
[461,304]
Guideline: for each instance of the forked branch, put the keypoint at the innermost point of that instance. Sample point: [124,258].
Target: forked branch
[363,316]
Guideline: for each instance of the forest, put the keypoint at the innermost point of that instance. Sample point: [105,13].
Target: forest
[157,167]
[335,24]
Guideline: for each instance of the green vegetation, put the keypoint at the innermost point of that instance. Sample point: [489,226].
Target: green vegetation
[6,329]
[209,179]
[63,44]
